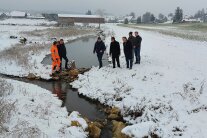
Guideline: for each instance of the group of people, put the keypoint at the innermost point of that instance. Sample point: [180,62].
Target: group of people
[131,47]
[58,52]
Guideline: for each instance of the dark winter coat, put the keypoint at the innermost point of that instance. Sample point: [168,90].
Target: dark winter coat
[62,50]
[99,47]
[114,49]
[137,41]
[128,49]
[132,40]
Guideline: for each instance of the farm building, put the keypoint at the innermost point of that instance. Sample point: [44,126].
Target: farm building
[3,16]
[69,19]
[18,14]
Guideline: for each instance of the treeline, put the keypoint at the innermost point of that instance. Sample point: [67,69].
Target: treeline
[176,17]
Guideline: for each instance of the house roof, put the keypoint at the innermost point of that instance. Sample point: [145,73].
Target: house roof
[17,14]
[79,16]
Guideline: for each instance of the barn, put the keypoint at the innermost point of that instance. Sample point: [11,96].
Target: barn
[70,19]
[18,14]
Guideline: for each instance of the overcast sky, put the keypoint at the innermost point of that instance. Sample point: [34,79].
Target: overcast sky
[116,7]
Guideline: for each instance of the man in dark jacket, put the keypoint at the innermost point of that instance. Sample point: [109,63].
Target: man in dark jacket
[115,52]
[99,49]
[137,48]
[62,53]
[128,52]
[132,40]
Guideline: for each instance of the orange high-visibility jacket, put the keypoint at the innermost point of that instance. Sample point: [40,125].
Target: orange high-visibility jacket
[54,53]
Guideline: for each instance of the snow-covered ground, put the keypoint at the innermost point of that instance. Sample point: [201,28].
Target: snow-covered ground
[38,113]
[165,95]
[7,30]
[28,22]
[12,67]
[186,31]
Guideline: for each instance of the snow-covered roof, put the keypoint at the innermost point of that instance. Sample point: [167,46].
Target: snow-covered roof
[79,16]
[128,17]
[17,14]
[35,17]
[192,20]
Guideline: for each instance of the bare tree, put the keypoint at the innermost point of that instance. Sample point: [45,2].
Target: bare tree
[100,12]
[132,14]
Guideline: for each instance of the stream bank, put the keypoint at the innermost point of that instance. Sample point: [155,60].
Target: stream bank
[100,124]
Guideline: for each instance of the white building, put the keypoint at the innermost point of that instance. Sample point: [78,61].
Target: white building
[18,14]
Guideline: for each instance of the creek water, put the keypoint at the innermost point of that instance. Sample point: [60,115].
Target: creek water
[82,52]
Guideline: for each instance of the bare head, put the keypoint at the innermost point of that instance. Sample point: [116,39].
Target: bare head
[124,39]
[61,41]
[55,43]
[130,34]
[136,33]
[112,39]
[99,39]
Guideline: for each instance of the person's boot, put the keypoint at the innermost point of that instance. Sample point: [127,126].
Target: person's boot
[66,66]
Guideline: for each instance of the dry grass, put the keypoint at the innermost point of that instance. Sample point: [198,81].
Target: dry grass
[21,54]
[5,107]
[185,31]
[58,32]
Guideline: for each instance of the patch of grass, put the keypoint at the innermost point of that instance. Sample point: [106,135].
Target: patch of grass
[194,31]
[58,32]
[6,107]
[21,53]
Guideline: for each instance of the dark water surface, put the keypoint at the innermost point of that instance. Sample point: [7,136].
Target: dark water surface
[82,52]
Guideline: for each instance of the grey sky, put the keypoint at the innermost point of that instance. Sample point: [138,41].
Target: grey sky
[116,7]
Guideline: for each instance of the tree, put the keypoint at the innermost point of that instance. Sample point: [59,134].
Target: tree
[100,12]
[146,18]
[152,18]
[89,12]
[200,14]
[178,15]
[126,21]
[139,19]
[132,14]
[170,16]
[161,18]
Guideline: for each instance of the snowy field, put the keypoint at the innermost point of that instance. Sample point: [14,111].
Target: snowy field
[7,30]
[191,31]
[38,46]
[27,22]
[165,95]
[36,112]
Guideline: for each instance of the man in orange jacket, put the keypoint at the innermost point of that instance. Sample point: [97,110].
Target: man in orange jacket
[55,58]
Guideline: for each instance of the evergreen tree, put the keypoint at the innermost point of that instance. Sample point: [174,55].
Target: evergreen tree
[126,21]
[132,14]
[139,19]
[201,14]
[152,18]
[146,18]
[178,15]
[89,12]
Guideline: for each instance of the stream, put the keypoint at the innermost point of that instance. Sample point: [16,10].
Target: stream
[81,51]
